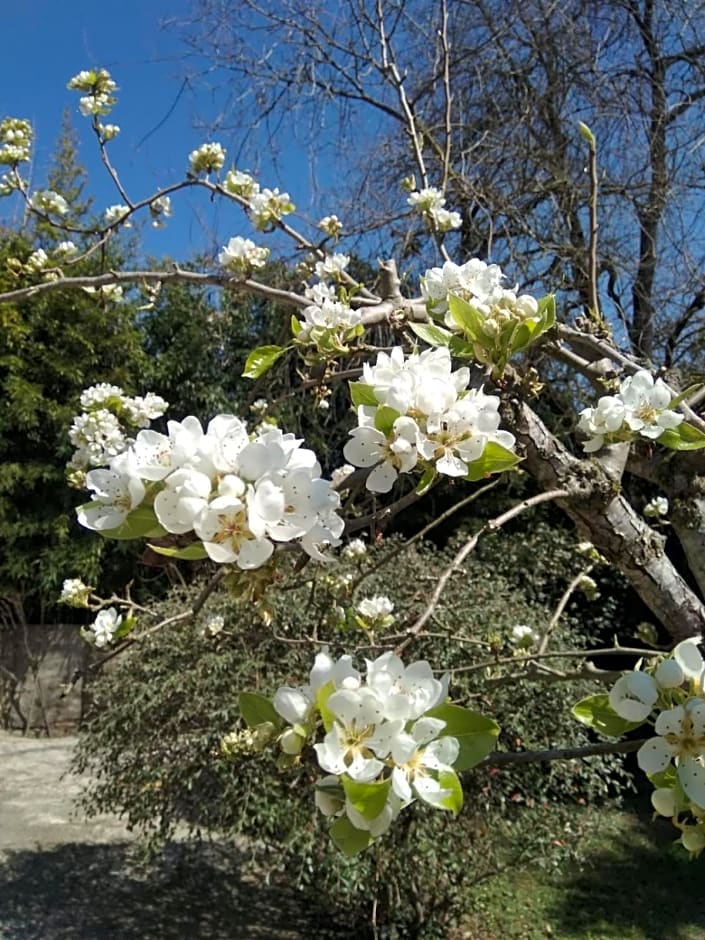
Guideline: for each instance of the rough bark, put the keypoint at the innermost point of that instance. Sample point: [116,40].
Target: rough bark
[605,517]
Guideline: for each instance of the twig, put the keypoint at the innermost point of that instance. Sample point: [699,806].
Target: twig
[560,609]
[502,758]
[469,546]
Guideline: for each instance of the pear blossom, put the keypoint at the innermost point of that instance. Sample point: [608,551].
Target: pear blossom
[75,593]
[331,225]
[355,548]
[208,158]
[372,607]
[102,631]
[116,492]
[388,456]
[240,184]
[406,692]
[524,636]
[656,508]
[332,266]
[328,315]
[681,736]
[115,214]
[240,255]
[98,435]
[359,737]
[634,695]
[419,757]
[49,202]
[268,206]
[15,140]
[160,209]
[223,529]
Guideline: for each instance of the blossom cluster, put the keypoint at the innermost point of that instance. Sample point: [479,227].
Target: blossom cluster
[265,206]
[479,284]
[49,202]
[102,632]
[639,409]
[377,732]
[240,255]
[674,758]
[208,158]
[236,496]
[15,141]
[416,410]
[100,432]
[99,89]
[430,202]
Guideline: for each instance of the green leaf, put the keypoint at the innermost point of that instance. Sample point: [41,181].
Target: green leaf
[362,394]
[547,312]
[256,709]
[448,779]
[476,734]
[665,778]
[347,838]
[522,335]
[461,348]
[193,552]
[433,335]
[295,325]
[686,393]
[467,318]
[141,523]
[369,799]
[596,712]
[261,360]
[322,696]
[385,418]
[684,437]
[495,459]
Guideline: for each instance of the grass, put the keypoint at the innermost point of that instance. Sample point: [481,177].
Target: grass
[633,884]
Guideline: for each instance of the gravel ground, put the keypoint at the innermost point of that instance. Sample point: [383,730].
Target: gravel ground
[65,878]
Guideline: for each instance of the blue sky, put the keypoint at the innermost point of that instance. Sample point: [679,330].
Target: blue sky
[46,43]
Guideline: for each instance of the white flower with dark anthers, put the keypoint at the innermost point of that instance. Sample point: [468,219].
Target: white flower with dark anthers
[456,438]
[419,756]
[634,695]
[223,529]
[184,497]
[102,631]
[388,456]
[116,492]
[156,455]
[240,255]
[646,405]
[681,737]
[359,736]
[406,692]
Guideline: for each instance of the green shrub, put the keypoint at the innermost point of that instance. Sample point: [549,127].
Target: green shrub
[152,735]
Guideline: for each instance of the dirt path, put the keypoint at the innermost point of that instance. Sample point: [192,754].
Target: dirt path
[62,878]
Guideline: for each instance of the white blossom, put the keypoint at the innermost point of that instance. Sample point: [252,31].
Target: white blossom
[102,631]
[49,202]
[114,214]
[240,255]
[373,607]
[208,158]
[656,508]
[75,593]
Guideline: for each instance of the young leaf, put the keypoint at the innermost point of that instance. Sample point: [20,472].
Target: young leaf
[427,480]
[476,734]
[295,325]
[385,418]
[256,709]
[141,523]
[369,799]
[596,712]
[431,334]
[495,459]
[347,838]
[684,437]
[448,779]
[261,360]
[193,552]
[467,318]
[362,394]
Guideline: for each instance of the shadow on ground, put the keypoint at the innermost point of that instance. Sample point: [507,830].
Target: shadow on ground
[81,891]
[639,881]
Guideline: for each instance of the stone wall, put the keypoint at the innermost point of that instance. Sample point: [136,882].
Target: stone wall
[38,664]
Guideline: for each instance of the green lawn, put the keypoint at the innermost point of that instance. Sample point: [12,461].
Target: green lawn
[634,884]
